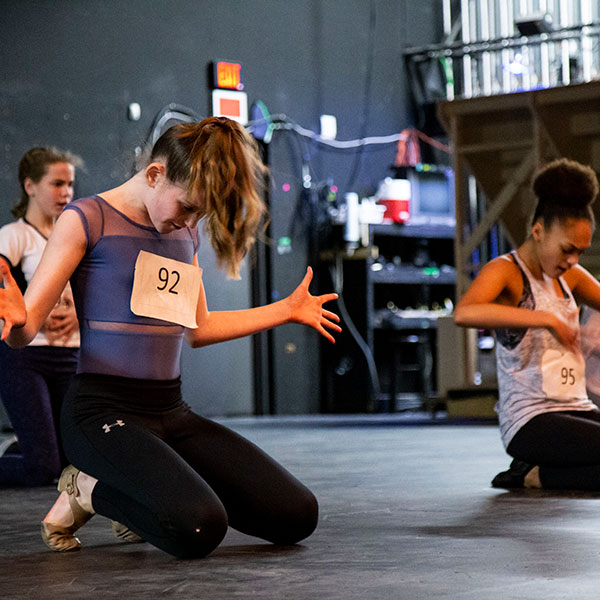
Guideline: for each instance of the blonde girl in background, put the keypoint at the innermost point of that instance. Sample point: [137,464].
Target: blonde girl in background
[35,379]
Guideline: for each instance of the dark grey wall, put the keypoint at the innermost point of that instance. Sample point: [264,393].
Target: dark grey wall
[69,69]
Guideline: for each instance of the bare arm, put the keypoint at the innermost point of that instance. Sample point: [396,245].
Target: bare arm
[299,307]
[62,254]
[584,285]
[491,302]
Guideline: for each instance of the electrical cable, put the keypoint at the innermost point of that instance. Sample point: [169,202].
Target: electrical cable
[176,113]
[349,144]
[170,112]
[297,217]
[337,279]
[367,92]
[283,122]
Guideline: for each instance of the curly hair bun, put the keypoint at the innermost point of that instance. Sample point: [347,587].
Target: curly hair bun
[565,182]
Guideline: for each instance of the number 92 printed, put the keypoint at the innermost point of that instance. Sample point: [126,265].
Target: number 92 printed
[168,280]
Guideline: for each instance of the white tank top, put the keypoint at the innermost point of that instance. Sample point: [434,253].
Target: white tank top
[536,373]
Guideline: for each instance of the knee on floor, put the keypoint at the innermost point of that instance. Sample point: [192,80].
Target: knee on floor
[297,522]
[197,535]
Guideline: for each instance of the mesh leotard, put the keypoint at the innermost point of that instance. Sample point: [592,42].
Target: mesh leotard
[114,341]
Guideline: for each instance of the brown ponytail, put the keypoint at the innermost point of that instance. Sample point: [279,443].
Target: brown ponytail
[219,162]
[34,165]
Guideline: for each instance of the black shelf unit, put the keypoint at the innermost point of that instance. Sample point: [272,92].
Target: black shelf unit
[408,279]
[431,231]
[415,275]
[403,346]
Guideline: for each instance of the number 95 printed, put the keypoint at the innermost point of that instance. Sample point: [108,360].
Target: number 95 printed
[567,376]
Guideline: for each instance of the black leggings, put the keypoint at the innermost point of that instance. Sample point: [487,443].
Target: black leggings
[175,478]
[565,445]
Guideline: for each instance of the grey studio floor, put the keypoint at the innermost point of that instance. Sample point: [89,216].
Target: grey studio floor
[406,511]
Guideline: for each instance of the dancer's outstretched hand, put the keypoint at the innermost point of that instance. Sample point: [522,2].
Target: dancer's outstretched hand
[12,304]
[308,309]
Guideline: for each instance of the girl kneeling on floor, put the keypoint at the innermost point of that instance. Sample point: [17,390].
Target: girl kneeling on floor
[147,461]
[530,296]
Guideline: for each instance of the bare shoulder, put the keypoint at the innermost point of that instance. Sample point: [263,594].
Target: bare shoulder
[576,274]
[498,281]
[69,230]
[502,266]
[583,285]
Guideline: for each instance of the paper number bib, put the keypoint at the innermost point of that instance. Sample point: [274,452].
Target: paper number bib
[165,289]
[563,375]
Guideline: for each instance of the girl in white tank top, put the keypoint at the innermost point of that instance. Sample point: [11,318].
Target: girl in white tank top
[547,423]
[536,373]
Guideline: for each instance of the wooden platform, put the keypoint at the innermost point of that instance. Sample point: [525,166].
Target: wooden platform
[501,140]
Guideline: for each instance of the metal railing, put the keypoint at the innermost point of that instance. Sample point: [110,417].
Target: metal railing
[493,57]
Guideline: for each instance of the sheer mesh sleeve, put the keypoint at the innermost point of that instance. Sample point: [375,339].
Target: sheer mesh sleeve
[92,217]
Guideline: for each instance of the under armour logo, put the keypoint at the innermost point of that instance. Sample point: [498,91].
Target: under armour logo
[107,428]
